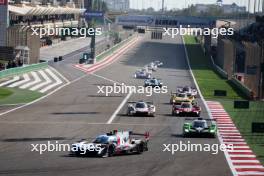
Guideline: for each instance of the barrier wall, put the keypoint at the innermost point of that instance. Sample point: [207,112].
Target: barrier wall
[245,90]
[219,70]
[113,48]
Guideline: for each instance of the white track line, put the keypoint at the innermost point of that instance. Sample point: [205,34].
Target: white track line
[36,80]
[251,173]
[26,79]
[107,79]
[58,81]
[119,108]
[247,161]
[58,73]
[16,78]
[113,116]
[249,166]
[47,81]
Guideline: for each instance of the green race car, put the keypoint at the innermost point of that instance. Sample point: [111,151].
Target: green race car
[200,127]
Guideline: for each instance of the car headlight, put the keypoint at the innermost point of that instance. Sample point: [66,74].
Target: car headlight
[186,130]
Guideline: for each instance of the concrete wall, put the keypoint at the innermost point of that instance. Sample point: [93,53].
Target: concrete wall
[252,64]
[225,55]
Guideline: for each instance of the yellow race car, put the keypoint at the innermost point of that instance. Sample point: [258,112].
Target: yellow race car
[178,98]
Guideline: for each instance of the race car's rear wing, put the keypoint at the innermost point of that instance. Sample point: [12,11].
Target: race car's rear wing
[146,134]
[148,102]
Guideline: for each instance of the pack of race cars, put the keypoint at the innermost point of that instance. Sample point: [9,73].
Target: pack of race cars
[183,103]
[146,71]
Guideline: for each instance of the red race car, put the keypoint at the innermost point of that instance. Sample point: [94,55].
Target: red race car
[186,109]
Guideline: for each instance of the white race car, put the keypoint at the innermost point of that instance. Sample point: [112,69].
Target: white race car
[190,91]
[143,74]
[158,63]
[113,143]
[152,66]
[141,108]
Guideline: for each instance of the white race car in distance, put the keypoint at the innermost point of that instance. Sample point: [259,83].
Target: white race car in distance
[152,66]
[190,91]
[158,63]
[142,74]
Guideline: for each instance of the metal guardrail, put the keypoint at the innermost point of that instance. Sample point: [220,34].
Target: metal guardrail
[21,70]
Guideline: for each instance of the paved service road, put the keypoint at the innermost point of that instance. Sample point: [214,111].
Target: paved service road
[77,112]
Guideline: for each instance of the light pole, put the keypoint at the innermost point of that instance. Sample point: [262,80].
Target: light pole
[162,6]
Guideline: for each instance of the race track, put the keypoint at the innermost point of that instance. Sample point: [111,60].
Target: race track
[77,111]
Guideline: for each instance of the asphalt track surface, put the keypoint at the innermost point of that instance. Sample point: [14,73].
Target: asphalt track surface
[77,111]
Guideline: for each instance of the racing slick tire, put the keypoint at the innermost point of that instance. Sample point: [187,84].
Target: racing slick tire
[213,135]
[108,151]
[140,148]
[129,113]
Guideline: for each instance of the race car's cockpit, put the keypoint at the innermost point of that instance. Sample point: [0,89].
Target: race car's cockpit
[104,139]
[182,95]
[200,124]
[186,89]
[186,105]
[140,105]
[153,81]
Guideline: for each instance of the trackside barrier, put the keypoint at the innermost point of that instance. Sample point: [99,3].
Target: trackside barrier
[21,70]
[219,70]
[113,48]
[245,90]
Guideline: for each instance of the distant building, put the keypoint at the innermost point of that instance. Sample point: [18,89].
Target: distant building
[18,18]
[200,8]
[233,8]
[226,8]
[118,5]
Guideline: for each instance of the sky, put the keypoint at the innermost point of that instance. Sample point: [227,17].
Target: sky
[156,4]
